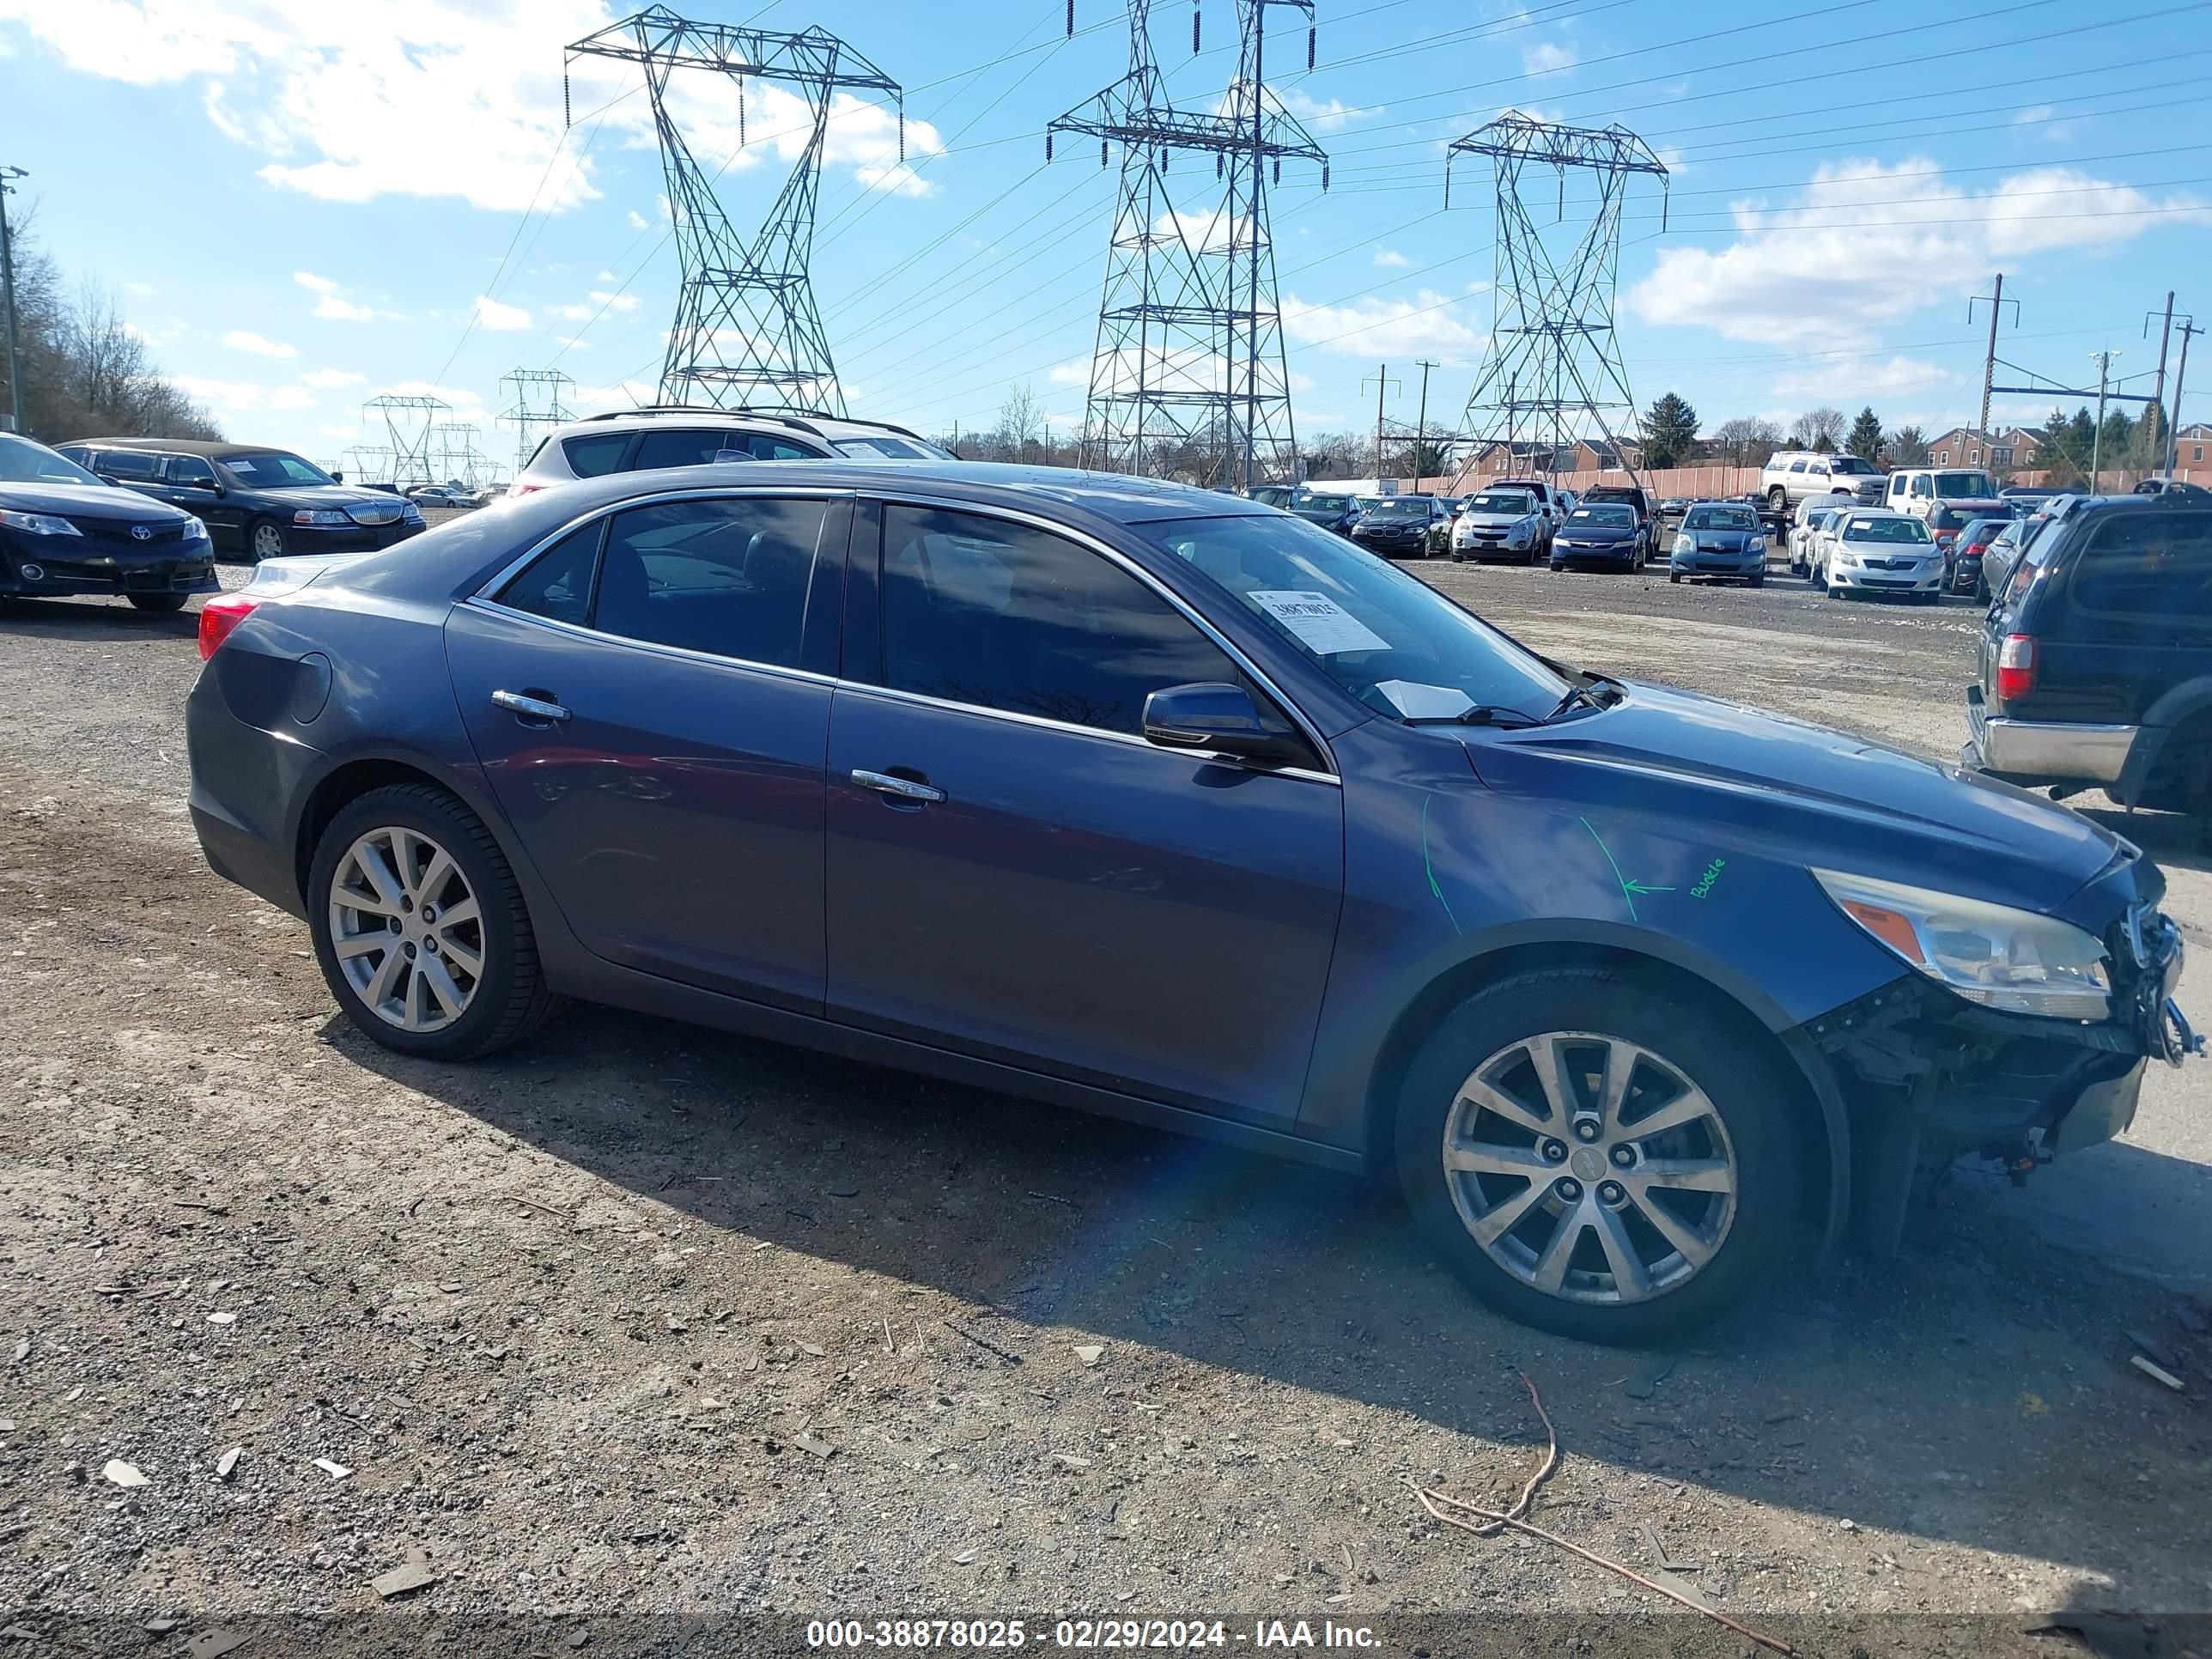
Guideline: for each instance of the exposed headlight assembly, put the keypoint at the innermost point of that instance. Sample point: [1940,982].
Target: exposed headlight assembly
[2015,961]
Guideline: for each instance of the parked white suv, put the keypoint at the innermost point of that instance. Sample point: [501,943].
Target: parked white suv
[1791,475]
[639,439]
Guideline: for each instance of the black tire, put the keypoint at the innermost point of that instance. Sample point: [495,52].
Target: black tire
[1758,580]
[511,999]
[1777,500]
[1754,1096]
[1674,575]
[158,603]
[268,531]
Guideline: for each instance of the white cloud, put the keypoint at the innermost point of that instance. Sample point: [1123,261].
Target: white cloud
[1076,372]
[490,313]
[630,394]
[637,221]
[2033,114]
[329,302]
[1390,256]
[606,276]
[240,339]
[244,397]
[1426,325]
[1866,244]
[571,342]
[332,377]
[1332,116]
[1864,377]
[1547,56]
[140,287]
[338,432]
[612,301]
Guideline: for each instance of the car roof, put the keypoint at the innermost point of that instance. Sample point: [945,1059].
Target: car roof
[790,420]
[208,447]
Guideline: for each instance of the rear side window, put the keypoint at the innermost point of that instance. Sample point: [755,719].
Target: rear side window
[693,448]
[725,577]
[766,447]
[2146,565]
[596,454]
[130,464]
[557,584]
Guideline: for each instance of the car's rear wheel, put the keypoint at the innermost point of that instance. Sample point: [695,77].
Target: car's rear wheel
[1777,499]
[265,540]
[420,926]
[1597,1157]
[157,602]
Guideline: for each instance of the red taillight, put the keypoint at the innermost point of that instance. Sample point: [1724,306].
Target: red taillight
[218,617]
[525,490]
[2015,667]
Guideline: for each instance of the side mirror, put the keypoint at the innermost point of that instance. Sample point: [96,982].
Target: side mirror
[337,478]
[1216,718]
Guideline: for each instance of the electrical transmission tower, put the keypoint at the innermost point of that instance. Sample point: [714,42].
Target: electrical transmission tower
[407,425]
[746,329]
[1553,375]
[1188,374]
[537,404]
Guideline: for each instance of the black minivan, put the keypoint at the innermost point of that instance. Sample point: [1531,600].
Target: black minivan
[2095,662]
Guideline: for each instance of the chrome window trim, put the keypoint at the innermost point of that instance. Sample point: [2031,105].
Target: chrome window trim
[920,699]
[1084,539]
[682,653]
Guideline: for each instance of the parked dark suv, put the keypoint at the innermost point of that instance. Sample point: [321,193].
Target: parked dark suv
[2095,663]
[256,501]
[1170,805]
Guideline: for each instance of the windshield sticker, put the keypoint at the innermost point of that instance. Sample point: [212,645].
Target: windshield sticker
[238,463]
[1418,701]
[1323,626]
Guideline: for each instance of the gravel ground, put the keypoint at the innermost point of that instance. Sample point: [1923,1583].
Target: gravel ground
[643,1317]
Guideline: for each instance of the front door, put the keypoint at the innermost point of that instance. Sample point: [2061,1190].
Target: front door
[191,485]
[642,702]
[1014,873]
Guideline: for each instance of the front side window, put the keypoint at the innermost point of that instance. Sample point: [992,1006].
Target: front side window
[275,469]
[1388,638]
[980,610]
[191,472]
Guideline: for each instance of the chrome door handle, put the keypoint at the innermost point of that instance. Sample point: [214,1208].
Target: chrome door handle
[535,709]
[905,788]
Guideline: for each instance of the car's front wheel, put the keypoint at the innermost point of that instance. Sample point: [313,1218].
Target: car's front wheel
[265,540]
[420,926]
[1597,1157]
[157,602]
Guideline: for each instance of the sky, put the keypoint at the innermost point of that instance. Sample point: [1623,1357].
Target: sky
[302,206]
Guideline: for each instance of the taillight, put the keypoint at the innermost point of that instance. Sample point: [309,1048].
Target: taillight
[525,490]
[219,617]
[2016,668]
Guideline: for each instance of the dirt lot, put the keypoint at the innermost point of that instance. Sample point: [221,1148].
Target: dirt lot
[641,1317]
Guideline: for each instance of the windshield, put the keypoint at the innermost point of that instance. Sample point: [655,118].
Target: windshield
[22,461]
[1503,501]
[1721,518]
[1620,518]
[1852,466]
[1317,506]
[1401,508]
[1885,530]
[273,467]
[1389,638]
[1964,486]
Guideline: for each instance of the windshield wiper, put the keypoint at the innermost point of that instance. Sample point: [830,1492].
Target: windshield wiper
[1585,694]
[1480,714]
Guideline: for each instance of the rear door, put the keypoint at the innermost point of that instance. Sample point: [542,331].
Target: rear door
[1015,873]
[649,698]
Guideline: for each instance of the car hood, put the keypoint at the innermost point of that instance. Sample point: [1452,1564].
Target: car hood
[328,495]
[89,501]
[1728,540]
[1496,520]
[1597,532]
[1764,780]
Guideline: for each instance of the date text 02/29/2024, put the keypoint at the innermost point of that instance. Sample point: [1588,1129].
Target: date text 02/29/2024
[1086,1634]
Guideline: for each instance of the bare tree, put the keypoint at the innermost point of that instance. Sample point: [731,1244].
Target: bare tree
[1745,441]
[1818,429]
[1021,422]
[1335,455]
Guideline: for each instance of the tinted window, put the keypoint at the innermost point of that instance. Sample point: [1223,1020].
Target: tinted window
[191,470]
[558,583]
[130,464]
[727,577]
[1387,637]
[22,461]
[978,611]
[2148,564]
[1885,530]
[766,447]
[275,469]
[1720,518]
[659,448]
[595,456]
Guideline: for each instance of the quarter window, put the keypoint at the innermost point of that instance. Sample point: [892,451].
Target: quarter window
[557,584]
[983,611]
[767,447]
[596,455]
[727,577]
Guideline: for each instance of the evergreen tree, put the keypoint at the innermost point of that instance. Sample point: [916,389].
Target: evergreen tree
[1865,441]
[1670,432]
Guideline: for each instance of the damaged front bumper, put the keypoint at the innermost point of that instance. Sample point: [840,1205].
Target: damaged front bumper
[1929,1076]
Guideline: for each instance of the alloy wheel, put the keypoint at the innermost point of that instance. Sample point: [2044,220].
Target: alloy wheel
[1589,1168]
[268,542]
[406,929]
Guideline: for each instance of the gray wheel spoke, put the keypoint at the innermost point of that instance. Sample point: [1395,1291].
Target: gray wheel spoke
[1685,1174]
[1630,1277]
[379,873]
[1685,1108]
[435,878]
[1552,1264]
[1496,1222]
[463,957]
[1498,1160]
[1693,1248]
[1492,1098]
[1620,1068]
[1552,1074]
[417,1006]
[442,985]
[378,991]
[454,914]
[358,944]
[413,973]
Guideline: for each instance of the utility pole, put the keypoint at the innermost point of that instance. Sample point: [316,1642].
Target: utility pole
[1382,380]
[1421,424]
[7,288]
[2180,373]
[2103,360]
[1997,303]
[2165,334]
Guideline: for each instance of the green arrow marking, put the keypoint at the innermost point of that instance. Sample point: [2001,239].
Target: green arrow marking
[1634,886]
[1629,889]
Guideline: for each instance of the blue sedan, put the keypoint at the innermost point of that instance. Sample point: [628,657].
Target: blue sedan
[1719,540]
[1168,805]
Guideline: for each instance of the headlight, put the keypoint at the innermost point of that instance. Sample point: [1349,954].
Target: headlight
[319,515]
[1684,544]
[194,530]
[39,524]
[1991,954]
[410,513]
